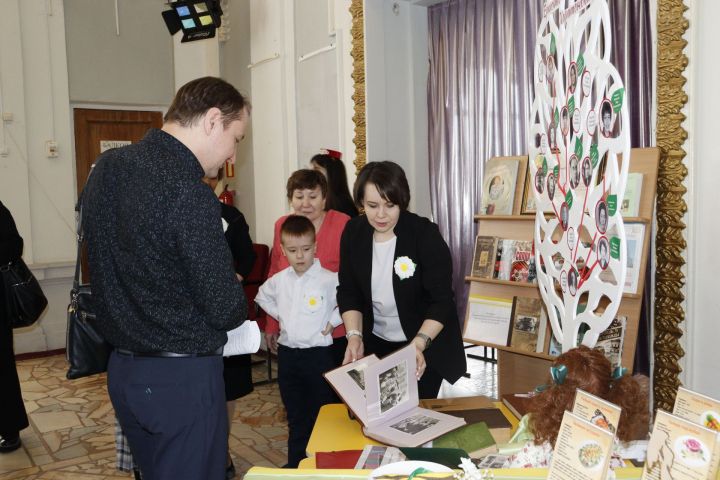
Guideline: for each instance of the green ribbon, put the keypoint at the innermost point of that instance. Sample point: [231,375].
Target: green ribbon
[619,372]
[558,373]
[418,471]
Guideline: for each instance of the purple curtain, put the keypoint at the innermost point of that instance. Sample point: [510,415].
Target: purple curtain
[480,89]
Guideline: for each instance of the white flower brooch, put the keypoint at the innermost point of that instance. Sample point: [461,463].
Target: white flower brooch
[404,267]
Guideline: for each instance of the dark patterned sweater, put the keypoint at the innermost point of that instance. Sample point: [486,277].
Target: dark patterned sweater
[161,272]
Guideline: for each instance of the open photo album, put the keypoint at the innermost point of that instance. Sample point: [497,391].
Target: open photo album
[383,395]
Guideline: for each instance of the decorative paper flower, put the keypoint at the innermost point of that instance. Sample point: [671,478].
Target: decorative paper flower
[313,302]
[404,267]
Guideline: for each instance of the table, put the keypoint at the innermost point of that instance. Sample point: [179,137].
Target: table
[334,429]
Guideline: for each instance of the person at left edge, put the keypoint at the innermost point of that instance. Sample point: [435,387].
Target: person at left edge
[164,284]
[13,417]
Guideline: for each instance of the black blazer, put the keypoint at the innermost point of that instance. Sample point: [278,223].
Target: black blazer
[427,294]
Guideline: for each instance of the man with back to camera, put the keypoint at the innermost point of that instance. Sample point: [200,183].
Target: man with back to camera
[164,284]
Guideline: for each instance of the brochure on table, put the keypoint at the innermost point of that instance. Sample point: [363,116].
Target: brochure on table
[597,411]
[582,450]
[702,410]
[383,394]
[679,450]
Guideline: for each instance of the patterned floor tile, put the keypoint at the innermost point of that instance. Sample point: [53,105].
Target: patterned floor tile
[72,424]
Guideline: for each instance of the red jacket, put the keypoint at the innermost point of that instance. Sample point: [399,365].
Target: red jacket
[328,252]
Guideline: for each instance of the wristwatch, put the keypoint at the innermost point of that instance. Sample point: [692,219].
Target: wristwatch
[428,340]
[352,333]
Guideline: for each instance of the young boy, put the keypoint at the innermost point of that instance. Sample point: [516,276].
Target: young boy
[302,298]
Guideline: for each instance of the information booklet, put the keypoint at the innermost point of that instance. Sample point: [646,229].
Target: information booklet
[679,450]
[596,410]
[702,410]
[529,325]
[483,265]
[499,186]
[582,450]
[383,395]
[631,200]
[488,319]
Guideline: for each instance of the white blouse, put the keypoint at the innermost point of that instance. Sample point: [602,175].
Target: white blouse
[387,321]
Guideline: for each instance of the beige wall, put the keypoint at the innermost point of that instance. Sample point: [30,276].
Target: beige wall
[132,68]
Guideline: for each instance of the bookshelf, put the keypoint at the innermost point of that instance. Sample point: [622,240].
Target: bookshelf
[519,370]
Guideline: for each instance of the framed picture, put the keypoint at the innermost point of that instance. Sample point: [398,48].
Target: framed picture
[500,192]
[528,201]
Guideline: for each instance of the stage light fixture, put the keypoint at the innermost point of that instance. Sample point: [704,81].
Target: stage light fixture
[198,19]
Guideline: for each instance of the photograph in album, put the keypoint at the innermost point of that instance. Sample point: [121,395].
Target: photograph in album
[388,406]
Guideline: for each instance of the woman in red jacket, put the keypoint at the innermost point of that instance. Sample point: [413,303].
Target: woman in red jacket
[307,193]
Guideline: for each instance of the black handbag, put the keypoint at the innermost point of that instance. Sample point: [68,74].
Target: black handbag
[24,297]
[86,350]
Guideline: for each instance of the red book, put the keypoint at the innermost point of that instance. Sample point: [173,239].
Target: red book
[338,459]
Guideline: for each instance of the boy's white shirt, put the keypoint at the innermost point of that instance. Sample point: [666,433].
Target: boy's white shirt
[302,304]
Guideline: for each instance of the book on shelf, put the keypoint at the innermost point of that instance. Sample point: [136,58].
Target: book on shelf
[630,206]
[610,341]
[483,264]
[499,186]
[529,325]
[488,319]
[475,439]
[383,395]
[514,259]
[634,242]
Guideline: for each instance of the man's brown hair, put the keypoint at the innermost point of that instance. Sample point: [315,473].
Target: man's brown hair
[200,95]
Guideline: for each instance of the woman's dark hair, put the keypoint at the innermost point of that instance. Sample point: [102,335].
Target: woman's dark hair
[589,370]
[389,179]
[306,179]
[198,96]
[338,197]
[297,226]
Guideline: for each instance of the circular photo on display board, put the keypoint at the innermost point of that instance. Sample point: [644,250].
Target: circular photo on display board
[606,123]
[601,216]
[574,171]
[564,215]
[603,252]
[587,171]
[539,181]
[551,185]
[572,77]
[572,281]
[564,121]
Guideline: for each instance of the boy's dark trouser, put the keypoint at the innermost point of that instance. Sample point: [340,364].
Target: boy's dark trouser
[172,411]
[303,390]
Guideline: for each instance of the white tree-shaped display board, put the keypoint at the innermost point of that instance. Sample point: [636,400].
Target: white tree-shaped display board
[579,126]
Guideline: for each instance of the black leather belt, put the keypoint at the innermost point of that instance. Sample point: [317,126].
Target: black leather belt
[130,353]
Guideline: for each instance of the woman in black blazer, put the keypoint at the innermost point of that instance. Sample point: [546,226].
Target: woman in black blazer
[12,410]
[396,281]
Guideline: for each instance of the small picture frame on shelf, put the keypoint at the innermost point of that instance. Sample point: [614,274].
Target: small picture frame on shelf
[502,186]
[528,201]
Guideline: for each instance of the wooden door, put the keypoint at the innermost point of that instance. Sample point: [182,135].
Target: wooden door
[98,130]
